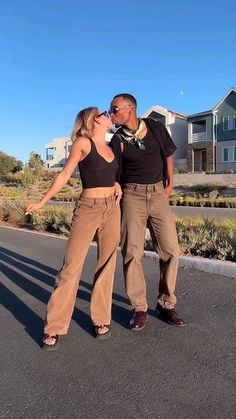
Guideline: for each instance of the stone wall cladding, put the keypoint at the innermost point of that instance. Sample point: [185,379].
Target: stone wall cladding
[209,146]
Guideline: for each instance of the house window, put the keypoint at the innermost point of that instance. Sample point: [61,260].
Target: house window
[225,123]
[234,153]
[234,122]
[225,154]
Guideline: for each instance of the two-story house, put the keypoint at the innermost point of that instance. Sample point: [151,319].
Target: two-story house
[212,137]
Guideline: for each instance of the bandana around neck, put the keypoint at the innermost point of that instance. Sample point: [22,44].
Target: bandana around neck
[128,137]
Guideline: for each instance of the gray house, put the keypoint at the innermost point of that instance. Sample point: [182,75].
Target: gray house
[212,137]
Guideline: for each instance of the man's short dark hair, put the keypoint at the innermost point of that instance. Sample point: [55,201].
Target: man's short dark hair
[127,96]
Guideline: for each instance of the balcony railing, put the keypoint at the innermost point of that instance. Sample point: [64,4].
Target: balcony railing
[199,136]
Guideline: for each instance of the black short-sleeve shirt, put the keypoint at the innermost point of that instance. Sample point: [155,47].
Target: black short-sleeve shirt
[149,165]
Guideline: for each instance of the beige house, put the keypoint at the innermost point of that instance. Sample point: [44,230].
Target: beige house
[57,152]
[176,124]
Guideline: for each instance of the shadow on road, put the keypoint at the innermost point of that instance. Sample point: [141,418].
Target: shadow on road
[29,319]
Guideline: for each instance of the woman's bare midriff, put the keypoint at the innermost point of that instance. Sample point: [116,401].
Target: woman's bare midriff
[98,192]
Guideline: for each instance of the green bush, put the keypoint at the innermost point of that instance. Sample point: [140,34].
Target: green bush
[194,201]
[74,183]
[206,238]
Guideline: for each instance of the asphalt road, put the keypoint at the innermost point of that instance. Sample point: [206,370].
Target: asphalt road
[215,213]
[161,372]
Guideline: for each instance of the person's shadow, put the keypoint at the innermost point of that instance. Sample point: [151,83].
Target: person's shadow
[32,322]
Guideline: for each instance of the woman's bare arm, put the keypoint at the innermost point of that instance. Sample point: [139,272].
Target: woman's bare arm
[62,178]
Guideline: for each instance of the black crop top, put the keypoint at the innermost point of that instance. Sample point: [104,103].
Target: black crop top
[95,171]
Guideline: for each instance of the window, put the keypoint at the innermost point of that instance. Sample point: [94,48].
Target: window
[225,123]
[234,122]
[225,154]
[229,154]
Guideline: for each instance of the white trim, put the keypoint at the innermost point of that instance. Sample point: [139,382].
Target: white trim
[163,111]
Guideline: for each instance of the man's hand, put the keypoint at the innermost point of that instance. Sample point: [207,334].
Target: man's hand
[118,193]
[170,170]
[168,191]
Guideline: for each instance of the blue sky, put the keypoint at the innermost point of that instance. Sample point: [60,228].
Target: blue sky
[59,56]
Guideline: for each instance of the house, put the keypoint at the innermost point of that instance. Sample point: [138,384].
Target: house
[212,137]
[176,124]
[57,153]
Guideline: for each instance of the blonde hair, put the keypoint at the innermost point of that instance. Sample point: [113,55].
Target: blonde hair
[84,123]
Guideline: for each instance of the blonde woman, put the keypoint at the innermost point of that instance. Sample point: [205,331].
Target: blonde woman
[97,211]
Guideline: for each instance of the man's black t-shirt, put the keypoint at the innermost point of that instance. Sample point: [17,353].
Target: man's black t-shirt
[144,166]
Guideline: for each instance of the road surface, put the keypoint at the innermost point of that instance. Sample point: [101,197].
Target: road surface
[161,372]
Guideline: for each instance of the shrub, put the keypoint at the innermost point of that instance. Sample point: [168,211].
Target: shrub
[75,183]
[206,238]
[194,201]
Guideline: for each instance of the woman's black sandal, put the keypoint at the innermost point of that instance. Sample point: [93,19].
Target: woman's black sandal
[104,335]
[52,347]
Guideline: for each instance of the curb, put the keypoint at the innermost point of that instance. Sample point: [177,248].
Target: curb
[219,267]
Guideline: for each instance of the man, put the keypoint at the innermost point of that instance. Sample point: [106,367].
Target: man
[144,149]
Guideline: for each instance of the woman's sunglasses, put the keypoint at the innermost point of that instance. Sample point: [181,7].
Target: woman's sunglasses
[105,113]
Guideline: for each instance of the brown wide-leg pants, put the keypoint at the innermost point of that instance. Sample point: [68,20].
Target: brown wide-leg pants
[144,205]
[91,215]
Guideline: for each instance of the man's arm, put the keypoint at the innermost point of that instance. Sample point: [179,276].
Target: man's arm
[170,172]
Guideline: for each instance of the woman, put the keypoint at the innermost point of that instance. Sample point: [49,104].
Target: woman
[96,211]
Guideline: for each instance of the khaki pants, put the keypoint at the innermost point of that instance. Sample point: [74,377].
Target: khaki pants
[144,205]
[99,215]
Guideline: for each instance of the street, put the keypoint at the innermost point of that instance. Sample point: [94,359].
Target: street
[161,372]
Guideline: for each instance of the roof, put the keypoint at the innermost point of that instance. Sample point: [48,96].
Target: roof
[200,114]
[233,89]
[155,108]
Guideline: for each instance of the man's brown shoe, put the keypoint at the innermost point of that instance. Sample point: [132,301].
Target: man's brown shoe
[170,316]
[138,320]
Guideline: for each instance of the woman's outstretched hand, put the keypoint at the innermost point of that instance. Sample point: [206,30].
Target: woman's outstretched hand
[118,193]
[34,206]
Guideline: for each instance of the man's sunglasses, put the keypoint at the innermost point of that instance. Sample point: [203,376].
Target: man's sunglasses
[115,109]
[105,113]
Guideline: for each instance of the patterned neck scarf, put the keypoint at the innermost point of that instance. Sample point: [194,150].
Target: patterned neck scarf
[128,137]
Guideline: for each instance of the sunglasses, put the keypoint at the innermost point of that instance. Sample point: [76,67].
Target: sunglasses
[115,109]
[105,113]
